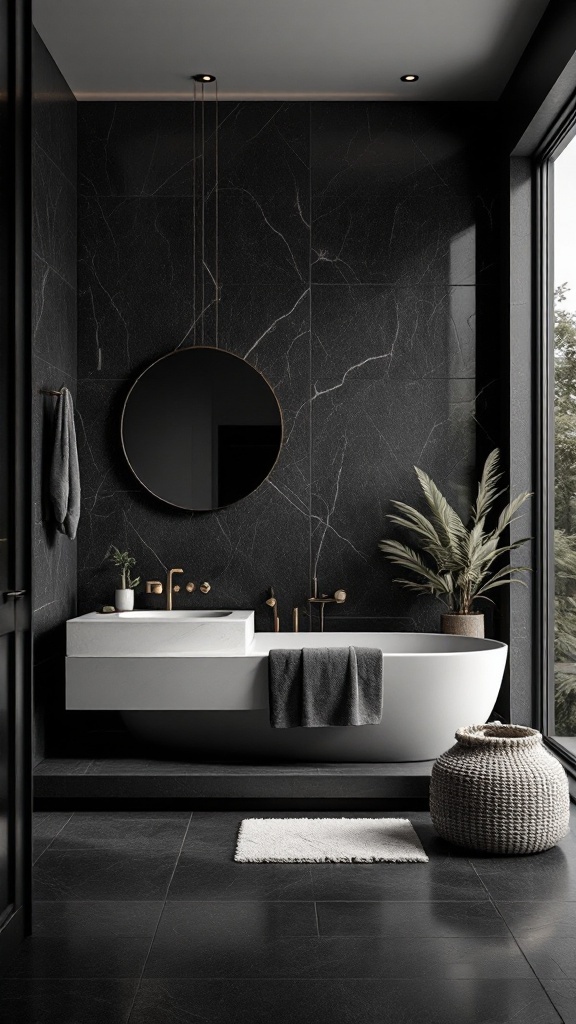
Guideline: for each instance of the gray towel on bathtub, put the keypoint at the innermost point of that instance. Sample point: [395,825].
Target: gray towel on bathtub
[325,686]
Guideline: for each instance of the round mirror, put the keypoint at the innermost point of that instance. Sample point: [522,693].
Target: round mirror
[201,428]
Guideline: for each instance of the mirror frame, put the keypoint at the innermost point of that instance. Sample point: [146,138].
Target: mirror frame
[175,352]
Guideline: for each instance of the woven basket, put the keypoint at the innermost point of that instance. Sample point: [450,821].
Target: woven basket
[499,790]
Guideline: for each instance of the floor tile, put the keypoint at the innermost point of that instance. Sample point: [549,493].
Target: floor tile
[406,920]
[80,957]
[45,828]
[543,876]
[557,917]
[186,951]
[342,1002]
[213,880]
[96,918]
[69,1001]
[413,882]
[99,875]
[563,995]
[550,956]
[160,833]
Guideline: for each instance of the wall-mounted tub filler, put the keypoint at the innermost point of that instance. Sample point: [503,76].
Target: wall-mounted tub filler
[209,701]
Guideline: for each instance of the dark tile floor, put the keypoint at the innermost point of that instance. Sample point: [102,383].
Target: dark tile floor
[145,917]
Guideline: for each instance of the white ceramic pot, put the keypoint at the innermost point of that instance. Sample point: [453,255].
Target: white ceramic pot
[124,600]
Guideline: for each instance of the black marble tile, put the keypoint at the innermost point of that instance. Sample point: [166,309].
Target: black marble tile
[54,222]
[435,881]
[80,957]
[95,919]
[116,832]
[45,828]
[100,875]
[399,195]
[54,325]
[563,995]
[209,879]
[366,438]
[344,1002]
[406,920]
[229,924]
[67,1001]
[556,918]
[135,295]
[371,332]
[135,149]
[264,193]
[53,111]
[548,876]
[63,766]
[340,957]
[551,956]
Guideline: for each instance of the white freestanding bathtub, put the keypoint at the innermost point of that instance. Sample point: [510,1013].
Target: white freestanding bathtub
[215,708]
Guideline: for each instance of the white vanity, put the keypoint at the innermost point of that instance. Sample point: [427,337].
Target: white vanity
[197,682]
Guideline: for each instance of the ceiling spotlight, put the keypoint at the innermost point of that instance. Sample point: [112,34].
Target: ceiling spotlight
[409,78]
[204,78]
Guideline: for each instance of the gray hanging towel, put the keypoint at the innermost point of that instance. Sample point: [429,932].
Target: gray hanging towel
[325,686]
[65,473]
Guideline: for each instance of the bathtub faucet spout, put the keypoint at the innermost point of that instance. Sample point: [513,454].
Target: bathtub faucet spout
[338,597]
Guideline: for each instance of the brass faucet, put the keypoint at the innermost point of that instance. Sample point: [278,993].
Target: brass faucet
[273,604]
[169,588]
[338,597]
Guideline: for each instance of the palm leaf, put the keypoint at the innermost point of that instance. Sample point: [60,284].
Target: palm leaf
[507,515]
[451,528]
[407,558]
[487,487]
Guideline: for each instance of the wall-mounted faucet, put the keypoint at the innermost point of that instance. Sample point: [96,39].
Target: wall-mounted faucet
[170,589]
[273,604]
[338,597]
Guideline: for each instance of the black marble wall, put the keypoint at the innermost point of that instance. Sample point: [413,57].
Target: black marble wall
[54,245]
[358,274]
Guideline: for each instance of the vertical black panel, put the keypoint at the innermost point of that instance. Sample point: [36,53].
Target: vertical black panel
[15,681]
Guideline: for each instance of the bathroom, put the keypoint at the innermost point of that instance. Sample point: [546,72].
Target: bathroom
[329,228]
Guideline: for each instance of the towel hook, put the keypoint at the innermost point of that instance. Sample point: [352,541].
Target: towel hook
[49,391]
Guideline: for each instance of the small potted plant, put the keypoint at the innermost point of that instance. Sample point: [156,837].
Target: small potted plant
[457,563]
[124,596]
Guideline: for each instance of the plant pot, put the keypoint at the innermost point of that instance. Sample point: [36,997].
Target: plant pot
[499,790]
[124,600]
[463,625]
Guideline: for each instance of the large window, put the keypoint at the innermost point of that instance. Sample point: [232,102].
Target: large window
[563,705]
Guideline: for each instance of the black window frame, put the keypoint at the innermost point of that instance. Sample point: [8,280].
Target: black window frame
[562,133]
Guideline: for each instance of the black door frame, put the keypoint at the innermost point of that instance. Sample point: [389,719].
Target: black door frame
[17,920]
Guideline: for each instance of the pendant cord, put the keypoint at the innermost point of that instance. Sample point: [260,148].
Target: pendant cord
[194,217]
[216,267]
[203,216]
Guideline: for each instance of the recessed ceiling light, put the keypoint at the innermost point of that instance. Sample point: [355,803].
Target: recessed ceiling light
[204,78]
[409,78]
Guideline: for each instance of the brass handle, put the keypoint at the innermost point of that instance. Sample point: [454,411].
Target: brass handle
[190,587]
[340,596]
[205,588]
[153,587]
[14,593]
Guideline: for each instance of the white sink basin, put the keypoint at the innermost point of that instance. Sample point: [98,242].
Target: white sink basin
[159,633]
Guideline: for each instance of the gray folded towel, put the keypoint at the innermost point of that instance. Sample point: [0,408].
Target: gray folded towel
[325,686]
[65,473]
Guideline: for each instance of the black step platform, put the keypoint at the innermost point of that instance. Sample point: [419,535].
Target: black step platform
[73,784]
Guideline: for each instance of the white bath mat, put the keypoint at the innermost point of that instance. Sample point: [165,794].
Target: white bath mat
[339,840]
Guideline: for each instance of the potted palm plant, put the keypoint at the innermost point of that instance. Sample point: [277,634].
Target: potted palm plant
[454,562]
[124,595]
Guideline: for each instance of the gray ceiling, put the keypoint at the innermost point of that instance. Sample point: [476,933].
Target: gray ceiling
[295,49]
